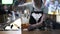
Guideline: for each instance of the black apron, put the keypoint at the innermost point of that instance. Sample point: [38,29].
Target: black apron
[32,20]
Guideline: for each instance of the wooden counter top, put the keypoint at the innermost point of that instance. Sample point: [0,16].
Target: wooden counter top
[41,32]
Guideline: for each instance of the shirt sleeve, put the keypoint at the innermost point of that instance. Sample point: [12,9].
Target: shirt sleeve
[30,7]
[45,10]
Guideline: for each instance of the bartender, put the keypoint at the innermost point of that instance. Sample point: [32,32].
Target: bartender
[37,16]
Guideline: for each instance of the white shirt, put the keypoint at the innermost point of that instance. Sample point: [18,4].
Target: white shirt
[32,3]
[36,16]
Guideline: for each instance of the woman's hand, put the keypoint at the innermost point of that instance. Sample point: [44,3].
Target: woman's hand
[32,27]
[9,14]
[36,25]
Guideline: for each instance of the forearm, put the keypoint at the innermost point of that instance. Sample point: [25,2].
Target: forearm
[42,19]
[25,4]
[40,23]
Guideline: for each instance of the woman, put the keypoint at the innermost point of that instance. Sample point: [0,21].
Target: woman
[37,16]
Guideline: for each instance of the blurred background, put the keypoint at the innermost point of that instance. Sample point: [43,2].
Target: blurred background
[15,17]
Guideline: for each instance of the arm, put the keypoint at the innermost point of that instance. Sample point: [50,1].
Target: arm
[42,19]
[28,3]
[25,4]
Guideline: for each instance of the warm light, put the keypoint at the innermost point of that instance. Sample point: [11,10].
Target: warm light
[53,12]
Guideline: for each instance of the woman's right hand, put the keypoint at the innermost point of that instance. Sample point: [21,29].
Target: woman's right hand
[31,27]
[9,14]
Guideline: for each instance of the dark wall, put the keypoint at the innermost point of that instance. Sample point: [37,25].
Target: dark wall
[0,1]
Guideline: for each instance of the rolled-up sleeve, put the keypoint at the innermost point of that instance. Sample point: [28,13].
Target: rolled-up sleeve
[45,10]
